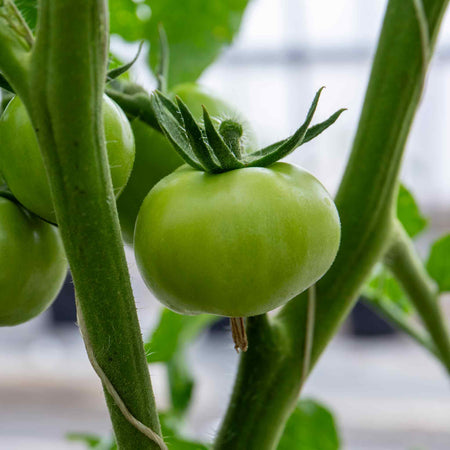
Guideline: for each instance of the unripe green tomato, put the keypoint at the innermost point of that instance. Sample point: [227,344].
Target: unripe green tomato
[22,165]
[32,264]
[156,158]
[239,243]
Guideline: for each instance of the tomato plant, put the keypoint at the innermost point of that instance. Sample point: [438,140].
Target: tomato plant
[239,243]
[23,167]
[156,158]
[32,261]
[238,233]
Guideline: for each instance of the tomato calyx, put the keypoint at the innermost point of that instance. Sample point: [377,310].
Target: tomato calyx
[206,148]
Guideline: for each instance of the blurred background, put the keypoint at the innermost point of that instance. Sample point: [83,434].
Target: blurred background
[386,393]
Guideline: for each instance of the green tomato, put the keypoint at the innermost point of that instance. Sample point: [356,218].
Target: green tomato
[236,244]
[156,158]
[32,264]
[22,165]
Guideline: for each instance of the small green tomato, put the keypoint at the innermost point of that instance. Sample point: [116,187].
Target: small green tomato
[155,156]
[22,165]
[239,243]
[32,264]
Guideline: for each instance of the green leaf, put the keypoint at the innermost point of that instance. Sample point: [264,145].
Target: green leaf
[173,332]
[28,9]
[409,214]
[310,427]
[438,264]
[194,133]
[181,383]
[174,443]
[383,287]
[197,30]
[168,344]
[93,441]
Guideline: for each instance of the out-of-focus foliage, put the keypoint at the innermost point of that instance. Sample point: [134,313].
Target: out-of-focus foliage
[438,264]
[168,344]
[28,9]
[310,427]
[197,30]
[408,212]
[173,438]
[382,286]
[93,441]
[172,332]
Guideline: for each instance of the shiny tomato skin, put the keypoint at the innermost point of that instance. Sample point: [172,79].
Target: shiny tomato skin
[32,264]
[22,165]
[155,156]
[240,243]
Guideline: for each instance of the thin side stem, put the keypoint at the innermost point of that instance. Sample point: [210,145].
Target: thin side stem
[392,314]
[407,267]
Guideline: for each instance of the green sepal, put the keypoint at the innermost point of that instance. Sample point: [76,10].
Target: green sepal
[224,154]
[115,73]
[174,132]
[171,106]
[207,150]
[270,155]
[317,129]
[200,148]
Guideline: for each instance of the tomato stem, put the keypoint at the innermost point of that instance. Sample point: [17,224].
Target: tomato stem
[269,377]
[232,132]
[407,267]
[67,78]
[239,334]
[144,429]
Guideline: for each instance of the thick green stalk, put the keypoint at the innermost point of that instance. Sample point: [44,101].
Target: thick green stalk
[67,82]
[366,206]
[409,270]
